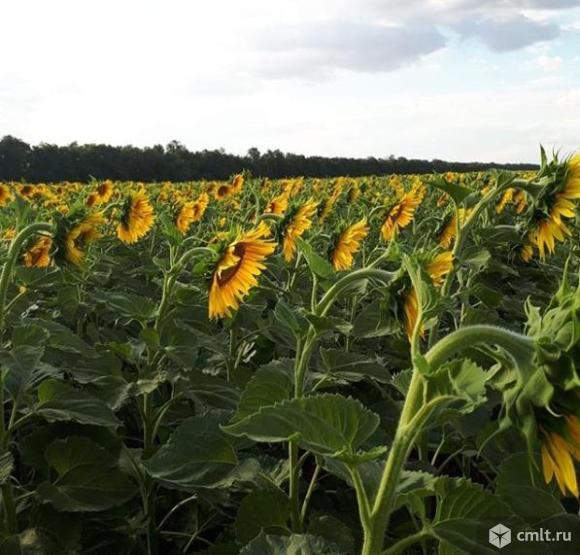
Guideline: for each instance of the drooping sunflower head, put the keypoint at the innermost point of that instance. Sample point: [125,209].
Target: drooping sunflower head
[560,447]
[296,225]
[237,183]
[102,194]
[137,218]
[222,191]
[184,217]
[38,255]
[200,206]
[347,244]
[400,215]
[237,270]
[555,203]
[437,267]
[75,233]
[278,205]
[5,194]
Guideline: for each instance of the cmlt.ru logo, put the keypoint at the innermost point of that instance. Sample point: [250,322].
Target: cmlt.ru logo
[500,536]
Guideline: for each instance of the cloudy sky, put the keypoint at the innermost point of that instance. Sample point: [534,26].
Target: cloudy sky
[452,79]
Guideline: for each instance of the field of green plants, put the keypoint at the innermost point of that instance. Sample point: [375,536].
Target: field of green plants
[370,366]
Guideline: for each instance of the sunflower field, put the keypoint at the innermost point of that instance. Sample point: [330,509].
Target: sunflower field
[370,366]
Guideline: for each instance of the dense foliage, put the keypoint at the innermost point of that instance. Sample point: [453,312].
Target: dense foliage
[309,366]
[74,162]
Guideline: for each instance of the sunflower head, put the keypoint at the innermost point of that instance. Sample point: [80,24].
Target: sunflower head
[74,232]
[5,194]
[436,266]
[295,225]
[541,397]
[184,217]
[400,215]
[555,202]
[277,206]
[38,255]
[347,244]
[237,269]
[137,218]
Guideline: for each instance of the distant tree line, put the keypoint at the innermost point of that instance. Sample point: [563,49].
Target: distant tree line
[174,162]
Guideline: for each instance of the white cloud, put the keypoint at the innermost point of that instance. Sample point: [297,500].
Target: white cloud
[313,76]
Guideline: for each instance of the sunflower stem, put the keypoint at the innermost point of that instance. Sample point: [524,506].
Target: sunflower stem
[5,279]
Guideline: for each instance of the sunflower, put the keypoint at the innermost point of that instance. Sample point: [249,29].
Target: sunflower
[136,220]
[299,223]
[80,234]
[526,252]
[401,214]
[449,231]
[348,244]
[102,194]
[549,227]
[39,254]
[558,454]
[222,192]
[546,233]
[278,205]
[185,217]
[27,191]
[5,194]
[237,269]
[506,198]
[437,268]
[200,206]
[237,184]
[520,200]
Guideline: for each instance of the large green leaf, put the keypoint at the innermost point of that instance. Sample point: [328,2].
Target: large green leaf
[196,455]
[461,383]
[213,391]
[464,515]
[60,401]
[324,424]
[296,544]
[272,383]
[318,265]
[515,485]
[353,366]
[22,362]
[262,510]
[456,191]
[88,479]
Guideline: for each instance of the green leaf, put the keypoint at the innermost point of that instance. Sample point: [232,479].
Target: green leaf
[289,318]
[457,192]
[333,531]
[515,487]
[272,383]
[323,324]
[296,544]
[262,510]
[318,265]
[23,360]
[6,466]
[213,391]
[375,320]
[196,455]
[58,401]
[464,515]
[62,338]
[133,307]
[324,424]
[353,366]
[461,383]
[88,479]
